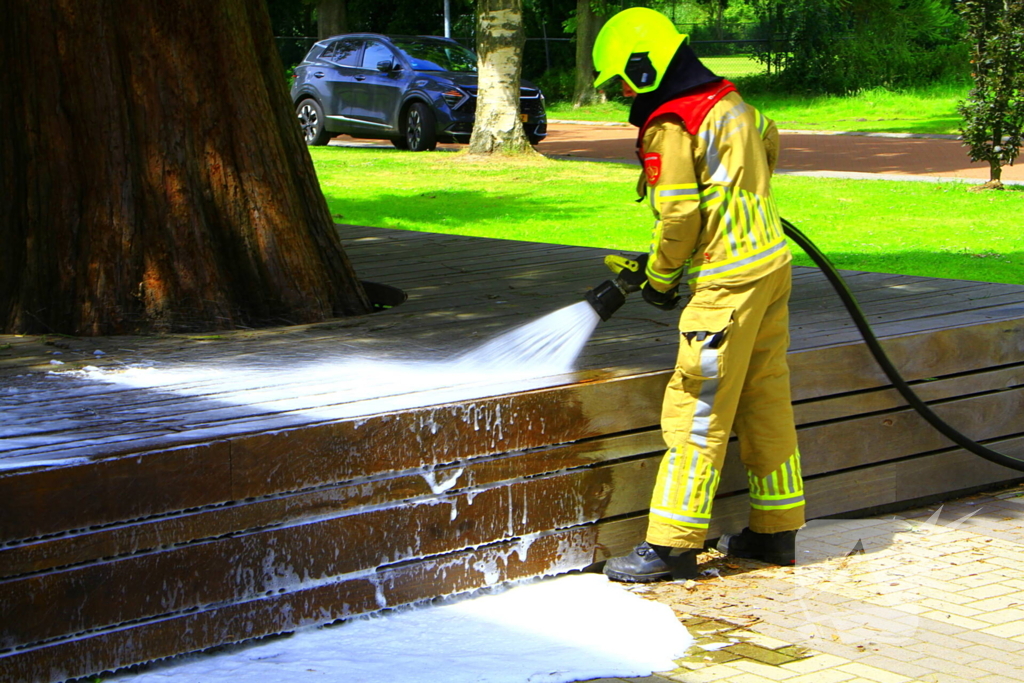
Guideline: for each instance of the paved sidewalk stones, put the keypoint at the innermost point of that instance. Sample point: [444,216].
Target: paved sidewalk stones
[933,595]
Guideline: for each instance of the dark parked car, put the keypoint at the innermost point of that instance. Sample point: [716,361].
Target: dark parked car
[415,91]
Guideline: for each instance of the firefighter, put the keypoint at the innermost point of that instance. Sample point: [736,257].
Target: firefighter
[708,157]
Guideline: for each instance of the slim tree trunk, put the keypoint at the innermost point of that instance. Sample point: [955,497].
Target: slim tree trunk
[500,40]
[152,174]
[995,166]
[588,25]
[331,18]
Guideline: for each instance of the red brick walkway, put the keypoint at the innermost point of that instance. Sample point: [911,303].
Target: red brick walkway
[800,152]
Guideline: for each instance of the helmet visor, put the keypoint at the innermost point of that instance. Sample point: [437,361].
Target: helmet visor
[606,81]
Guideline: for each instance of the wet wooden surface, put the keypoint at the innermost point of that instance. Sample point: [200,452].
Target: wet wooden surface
[259,492]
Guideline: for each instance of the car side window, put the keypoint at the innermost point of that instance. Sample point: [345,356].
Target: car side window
[376,52]
[344,52]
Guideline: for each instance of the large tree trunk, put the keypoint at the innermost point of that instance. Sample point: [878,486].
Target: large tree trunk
[500,40]
[588,25]
[331,17]
[152,174]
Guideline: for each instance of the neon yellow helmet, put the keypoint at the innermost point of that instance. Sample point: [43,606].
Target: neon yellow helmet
[636,44]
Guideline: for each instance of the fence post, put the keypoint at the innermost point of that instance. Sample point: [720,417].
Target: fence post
[547,52]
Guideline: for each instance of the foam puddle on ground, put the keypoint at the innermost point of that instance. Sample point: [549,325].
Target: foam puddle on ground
[570,628]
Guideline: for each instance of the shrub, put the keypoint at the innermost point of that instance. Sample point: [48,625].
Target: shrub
[557,83]
[840,46]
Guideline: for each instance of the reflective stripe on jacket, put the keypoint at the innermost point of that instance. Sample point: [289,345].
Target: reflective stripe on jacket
[716,219]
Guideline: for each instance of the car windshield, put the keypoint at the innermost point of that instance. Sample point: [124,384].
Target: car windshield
[436,55]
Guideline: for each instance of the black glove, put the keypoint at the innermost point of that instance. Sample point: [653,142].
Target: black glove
[631,281]
[666,301]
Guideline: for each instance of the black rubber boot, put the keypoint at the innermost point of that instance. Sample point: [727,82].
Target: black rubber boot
[653,563]
[777,548]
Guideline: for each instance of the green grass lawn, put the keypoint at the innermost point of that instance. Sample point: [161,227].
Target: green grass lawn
[919,110]
[913,228]
[734,66]
[613,111]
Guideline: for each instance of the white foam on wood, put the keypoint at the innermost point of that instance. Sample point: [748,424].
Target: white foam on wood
[221,398]
[570,628]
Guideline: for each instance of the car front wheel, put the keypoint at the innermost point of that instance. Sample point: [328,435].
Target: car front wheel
[311,119]
[420,128]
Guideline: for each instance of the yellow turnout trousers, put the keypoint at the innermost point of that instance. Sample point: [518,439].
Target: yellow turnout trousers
[731,375]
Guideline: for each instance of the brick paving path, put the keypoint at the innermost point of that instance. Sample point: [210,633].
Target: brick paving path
[933,595]
[801,152]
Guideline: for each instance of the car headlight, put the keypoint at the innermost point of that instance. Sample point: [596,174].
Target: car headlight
[454,97]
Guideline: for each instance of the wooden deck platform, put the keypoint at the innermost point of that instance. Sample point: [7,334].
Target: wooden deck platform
[168,494]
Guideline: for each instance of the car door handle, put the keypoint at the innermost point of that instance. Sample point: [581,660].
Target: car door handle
[360,78]
[319,74]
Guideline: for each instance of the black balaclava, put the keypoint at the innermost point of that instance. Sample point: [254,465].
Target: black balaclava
[684,72]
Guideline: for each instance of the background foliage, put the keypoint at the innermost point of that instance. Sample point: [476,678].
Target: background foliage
[839,46]
[804,46]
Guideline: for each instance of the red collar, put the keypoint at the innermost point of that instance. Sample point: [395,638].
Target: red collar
[692,107]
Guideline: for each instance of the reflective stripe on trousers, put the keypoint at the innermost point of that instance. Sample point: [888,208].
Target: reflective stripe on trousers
[780,490]
[685,490]
[689,505]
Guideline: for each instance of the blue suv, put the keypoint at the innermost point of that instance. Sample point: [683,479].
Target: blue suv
[415,91]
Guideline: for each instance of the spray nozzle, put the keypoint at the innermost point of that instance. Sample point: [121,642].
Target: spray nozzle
[609,296]
[606,298]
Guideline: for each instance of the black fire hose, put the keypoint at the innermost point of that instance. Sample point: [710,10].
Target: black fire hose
[883,360]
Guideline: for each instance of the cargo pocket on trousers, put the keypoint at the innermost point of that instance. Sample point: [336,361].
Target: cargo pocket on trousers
[703,335]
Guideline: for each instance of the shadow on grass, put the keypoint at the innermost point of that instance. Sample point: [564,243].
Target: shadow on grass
[469,212]
[946,125]
[939,125]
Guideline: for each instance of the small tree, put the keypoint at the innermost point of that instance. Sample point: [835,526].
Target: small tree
[994,110]
[716,10]
[500,39]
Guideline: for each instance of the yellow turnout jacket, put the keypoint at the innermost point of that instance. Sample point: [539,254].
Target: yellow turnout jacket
[708,159]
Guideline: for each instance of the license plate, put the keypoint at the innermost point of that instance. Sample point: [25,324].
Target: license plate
[524,118]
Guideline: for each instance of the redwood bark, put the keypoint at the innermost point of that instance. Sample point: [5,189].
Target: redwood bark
[500,40]
[152,174]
